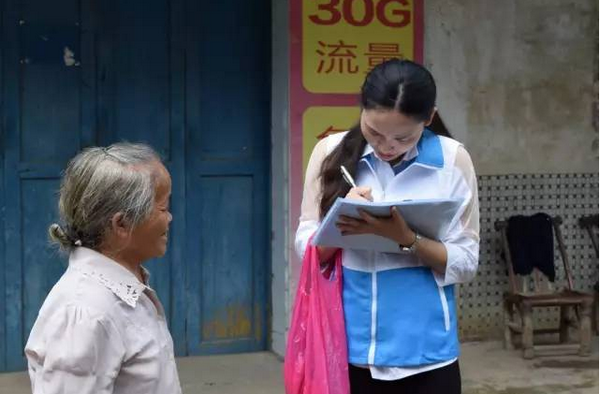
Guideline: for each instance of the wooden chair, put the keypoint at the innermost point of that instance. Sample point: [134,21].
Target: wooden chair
[589,222]
[535,291]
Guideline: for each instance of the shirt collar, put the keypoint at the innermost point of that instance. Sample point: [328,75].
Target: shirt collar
[122,282]
[427,151]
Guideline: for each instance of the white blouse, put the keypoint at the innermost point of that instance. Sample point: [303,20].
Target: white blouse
[101,331]
[456,272]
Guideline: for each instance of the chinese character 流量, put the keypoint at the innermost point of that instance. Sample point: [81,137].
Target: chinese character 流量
[380,52]
[340,55]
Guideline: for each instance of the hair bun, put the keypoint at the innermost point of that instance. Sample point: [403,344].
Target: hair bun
[58,234]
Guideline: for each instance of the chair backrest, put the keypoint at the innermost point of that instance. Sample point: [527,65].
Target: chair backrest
[589,222]
[536,283]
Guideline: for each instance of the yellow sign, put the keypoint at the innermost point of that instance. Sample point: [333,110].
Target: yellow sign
[319,122]
[344,39]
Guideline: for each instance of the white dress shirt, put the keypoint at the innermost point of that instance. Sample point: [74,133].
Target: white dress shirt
[101,331]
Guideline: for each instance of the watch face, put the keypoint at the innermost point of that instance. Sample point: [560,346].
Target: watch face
[412,248]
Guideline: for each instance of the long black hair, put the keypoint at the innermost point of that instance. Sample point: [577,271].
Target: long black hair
[396,84]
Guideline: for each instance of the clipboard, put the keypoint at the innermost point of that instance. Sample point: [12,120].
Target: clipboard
[430,217]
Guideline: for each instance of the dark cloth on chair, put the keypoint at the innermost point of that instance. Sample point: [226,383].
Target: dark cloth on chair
[531,243]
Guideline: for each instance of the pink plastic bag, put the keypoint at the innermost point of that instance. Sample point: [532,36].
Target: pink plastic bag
[316,358]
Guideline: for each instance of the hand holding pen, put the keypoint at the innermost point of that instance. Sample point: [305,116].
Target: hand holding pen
[393,227]
[356,192]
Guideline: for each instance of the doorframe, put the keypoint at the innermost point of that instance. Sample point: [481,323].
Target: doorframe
[280,221]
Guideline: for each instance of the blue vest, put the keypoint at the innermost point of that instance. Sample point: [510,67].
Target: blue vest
[396,313]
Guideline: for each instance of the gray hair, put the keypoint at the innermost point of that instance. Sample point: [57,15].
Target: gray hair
[99,183]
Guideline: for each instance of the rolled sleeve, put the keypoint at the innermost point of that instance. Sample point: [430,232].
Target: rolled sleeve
[462,263]
[462,241]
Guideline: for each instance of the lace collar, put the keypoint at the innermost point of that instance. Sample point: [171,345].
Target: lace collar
[123,283]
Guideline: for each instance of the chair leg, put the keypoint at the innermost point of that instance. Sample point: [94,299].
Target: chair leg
[526,311]
[564,324]
[585,329]
[508,318]
[595,312]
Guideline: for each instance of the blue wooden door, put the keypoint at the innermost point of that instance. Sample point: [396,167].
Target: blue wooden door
[46,118]
[76,73]
[227,119]
[141,97]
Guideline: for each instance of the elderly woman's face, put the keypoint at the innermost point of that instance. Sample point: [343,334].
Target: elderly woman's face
[149,239]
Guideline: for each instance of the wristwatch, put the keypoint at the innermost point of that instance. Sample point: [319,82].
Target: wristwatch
[411,248]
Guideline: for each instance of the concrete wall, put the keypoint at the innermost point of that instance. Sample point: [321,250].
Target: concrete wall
[518,81]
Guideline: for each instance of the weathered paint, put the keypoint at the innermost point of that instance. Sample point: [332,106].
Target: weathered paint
[232,322]
[227,204]
[76,74]
[69,58]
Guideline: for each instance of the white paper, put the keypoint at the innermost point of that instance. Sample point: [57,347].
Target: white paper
[431,218]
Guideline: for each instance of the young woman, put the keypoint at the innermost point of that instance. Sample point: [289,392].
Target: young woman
[399,307]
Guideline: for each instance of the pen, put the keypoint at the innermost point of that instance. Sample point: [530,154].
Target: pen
[347,177]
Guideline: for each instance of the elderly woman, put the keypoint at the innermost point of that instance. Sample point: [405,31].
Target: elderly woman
[102,329]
